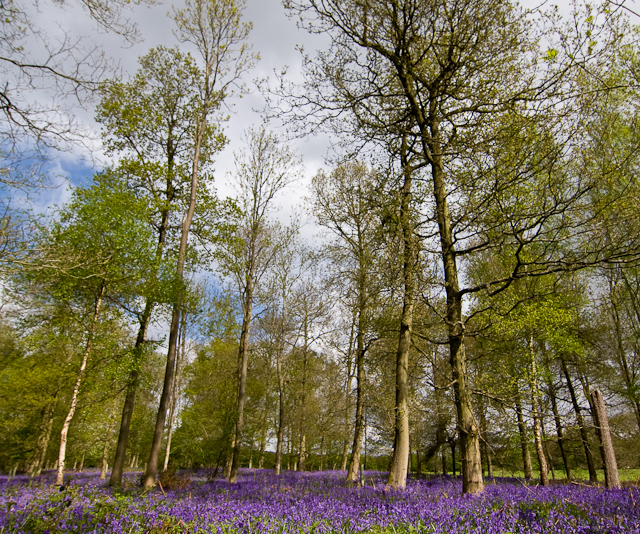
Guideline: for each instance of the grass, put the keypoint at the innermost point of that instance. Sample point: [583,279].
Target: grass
[579,475]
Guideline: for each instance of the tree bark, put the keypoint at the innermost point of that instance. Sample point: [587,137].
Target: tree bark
[76,390]
[356,449]
[545,445]
[129,402]
[484,448]
[611,477]
[280,436]
[103,464]
[174,391]
[444,461]
[302,453]
[429,127]
[452,446]
[399,462]
[524,441]
[149,479]
[593,475]
[228,459]
[537,423]
[243,362]
[347,411]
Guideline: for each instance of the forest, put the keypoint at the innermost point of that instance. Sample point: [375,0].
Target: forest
[455,293]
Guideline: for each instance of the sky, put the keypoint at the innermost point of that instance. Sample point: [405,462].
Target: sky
[274,37]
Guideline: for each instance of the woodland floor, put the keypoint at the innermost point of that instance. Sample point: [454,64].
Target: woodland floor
[312,502]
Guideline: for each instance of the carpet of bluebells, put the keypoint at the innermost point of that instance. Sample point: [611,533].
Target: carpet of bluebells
[312,502]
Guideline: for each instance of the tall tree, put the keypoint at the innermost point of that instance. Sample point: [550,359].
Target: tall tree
[149,123]
[465,81]
[262,172]
[405,214]
[342,203]
[98,248]
[214,27]
[309,318]
[281,280]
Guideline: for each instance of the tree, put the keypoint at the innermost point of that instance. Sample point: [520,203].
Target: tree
[263,171]
[206,422]
[98,249]
[214,27]
[309,320]
[150,123]
[342,203]
[465,81]
[406,227]
[285,270]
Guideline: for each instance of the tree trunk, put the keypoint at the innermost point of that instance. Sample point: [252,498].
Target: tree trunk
[265,428]
[151,469]
[243,362]
[103,464]
[302,453]
[76,390]
[545,444]
[444,461]
[452,445]
[125,421]
[593,475]
[400,459]
[611,478]
[345,455]
[537,423]
[484,449]
[149,479]
[279,356]
[280,436]
[35,468]
[356,449]
[467,427]
[134,377]
[524,441]
[347,411]
[559,429]
[174,391]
